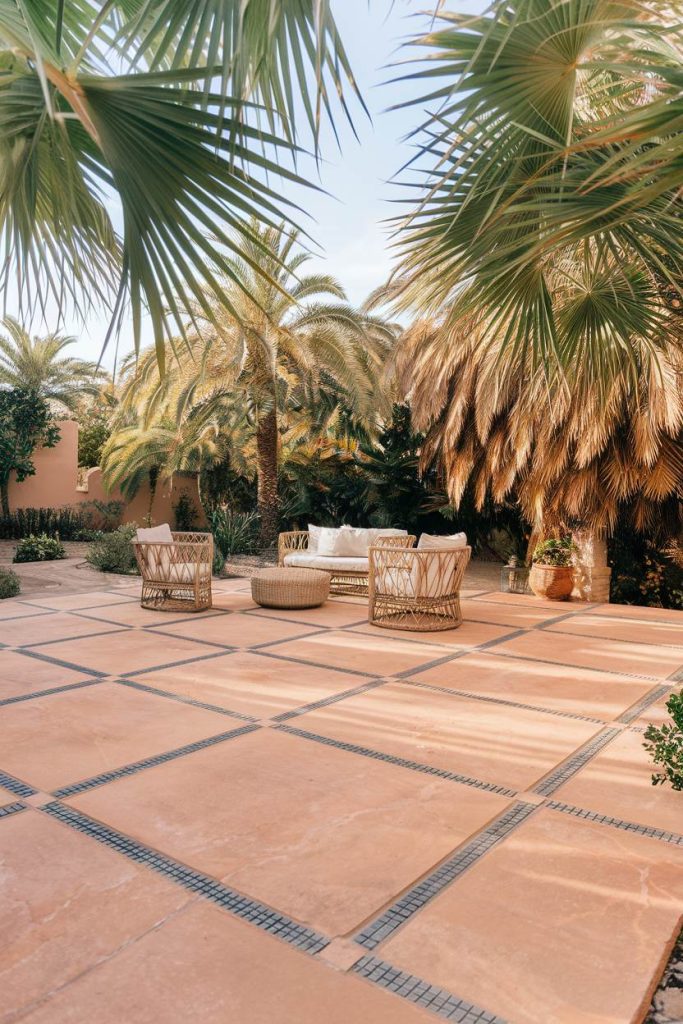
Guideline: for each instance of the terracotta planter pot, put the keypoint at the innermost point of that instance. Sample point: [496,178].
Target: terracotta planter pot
[553,582]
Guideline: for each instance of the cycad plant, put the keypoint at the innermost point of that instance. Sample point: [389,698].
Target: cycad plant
[40,366]
[552,159]
[182,111]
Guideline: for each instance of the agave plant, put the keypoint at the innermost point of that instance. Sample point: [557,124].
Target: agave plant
[184,111]
[555,143]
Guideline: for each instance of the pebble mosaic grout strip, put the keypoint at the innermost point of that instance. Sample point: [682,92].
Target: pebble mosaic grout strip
[572,765]
[15,785]
[402,762]
[437,1000]
[152,762]
[46,693]
[255,913]
[642,705]
[439,879]
[60,662]
[502,700]
[326,701]
[311,664]
[677,676]
[184,700]
[675,838]
[11,809]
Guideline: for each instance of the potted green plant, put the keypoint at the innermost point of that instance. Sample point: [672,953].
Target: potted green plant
[552,573]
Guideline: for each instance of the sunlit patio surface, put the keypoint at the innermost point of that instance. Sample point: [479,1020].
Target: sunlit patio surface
[250,816]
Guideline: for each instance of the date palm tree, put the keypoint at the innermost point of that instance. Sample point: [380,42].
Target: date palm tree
[182,112]
[281,363]
[556,138]
[39,365]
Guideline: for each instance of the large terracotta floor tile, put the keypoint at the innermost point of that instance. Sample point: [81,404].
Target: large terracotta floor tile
[310,830]
[332,614]
[623,629]
[469,634]
[129,613]
[574,690]
[130,650]
[252,684]
[233,601]
[379,653]
[11,609]
[641,614]
[210,968]
[565,922]
[21,675]
[39,629]
[520,616]
[590,652]
[62,738]
[480,740]
[238,630]
[618,782]
[527,601]
[76,602]
[67,904]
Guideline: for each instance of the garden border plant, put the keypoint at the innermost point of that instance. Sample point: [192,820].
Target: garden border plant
[40,548]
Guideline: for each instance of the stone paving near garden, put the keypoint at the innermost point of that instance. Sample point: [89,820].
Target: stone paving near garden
[247,816]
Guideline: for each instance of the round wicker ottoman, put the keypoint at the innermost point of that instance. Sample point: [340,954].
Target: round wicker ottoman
[290,588]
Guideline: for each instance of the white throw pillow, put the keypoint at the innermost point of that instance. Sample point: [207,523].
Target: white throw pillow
[455,540]
[354,541]
[328,540]
[313,538]
[156,535]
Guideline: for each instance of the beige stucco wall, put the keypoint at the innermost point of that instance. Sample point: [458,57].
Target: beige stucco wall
[55,484]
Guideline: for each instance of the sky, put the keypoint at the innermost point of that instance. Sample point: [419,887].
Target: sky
[348,220]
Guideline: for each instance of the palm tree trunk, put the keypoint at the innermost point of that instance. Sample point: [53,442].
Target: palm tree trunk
[4,496]
[266,470]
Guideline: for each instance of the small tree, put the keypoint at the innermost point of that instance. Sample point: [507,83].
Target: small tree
[93,433]
[26,423]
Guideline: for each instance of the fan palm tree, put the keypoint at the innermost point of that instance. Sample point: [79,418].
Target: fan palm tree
[278,365]
[556,136]
[185,112]
[39,365]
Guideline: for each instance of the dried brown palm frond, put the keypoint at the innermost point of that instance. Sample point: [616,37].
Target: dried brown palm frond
[568,450]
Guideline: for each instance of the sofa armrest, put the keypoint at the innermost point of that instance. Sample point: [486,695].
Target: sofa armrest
[294,540]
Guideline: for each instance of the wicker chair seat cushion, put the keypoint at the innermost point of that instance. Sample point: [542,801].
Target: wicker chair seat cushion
[420,576]
[304,560]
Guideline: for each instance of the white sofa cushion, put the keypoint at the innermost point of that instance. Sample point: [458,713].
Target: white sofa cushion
[455,540]
[313,538]
[155,535]
[305,560]
[328,541]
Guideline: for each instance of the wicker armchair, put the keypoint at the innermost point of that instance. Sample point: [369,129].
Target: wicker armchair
[416,589]
[343,581]
[176,576]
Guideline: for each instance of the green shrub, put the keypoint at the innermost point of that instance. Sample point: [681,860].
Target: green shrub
[39,549]
[113,552]
[555,552]
[234,533]
[645,571]
[9,584]
[218,561]
[665,745]
[185,512]
[26,522]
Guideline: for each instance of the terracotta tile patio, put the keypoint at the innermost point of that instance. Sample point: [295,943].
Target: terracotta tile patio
[250,816]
